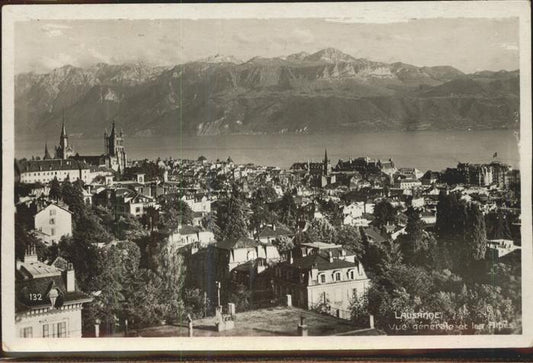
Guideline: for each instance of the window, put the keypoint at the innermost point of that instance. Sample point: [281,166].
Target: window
[322,278]
[52,221]
[138,210]
[351,275]
[27,332]
[52,231]
[62,329]
[337,276]
[52,212]
[46,331]
[354,292]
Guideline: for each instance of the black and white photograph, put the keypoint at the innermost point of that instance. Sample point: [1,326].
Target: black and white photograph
[332,173]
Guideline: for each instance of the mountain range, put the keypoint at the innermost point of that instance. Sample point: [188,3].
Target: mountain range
[320,92]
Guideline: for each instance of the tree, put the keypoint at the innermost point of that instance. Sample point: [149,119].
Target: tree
[497,224]
[150,219]
[127,227]
[416,244]
[359,311]
[174,212]
[146,302]
[384,213]
[350,239]
[55,190]
[288,209]
[171,269]
[83,255]
[231,219]
[122,289]
[283,243]
[73,197]
[332,211]
[24,238]
[461,229]
[261,213]
[476,235]
[321,230]
[195,303]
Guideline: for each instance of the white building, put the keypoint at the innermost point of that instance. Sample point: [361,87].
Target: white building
[417,202]
[501,247]
[130,202]
[407,183]
[200,205]
[53,222]
[324,279]
[44,171]
[244,250]
[186,235]
[48,304]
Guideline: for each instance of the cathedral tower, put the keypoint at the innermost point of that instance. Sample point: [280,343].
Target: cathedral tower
[114,149]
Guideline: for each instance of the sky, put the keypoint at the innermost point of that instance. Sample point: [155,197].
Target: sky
[469,44]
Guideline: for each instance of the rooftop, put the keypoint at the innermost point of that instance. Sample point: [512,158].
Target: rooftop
[50,164]
[37,269]
[243,242]
[321,261]
[320,245]
[278,231]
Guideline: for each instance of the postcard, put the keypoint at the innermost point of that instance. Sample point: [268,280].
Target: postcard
[284,176]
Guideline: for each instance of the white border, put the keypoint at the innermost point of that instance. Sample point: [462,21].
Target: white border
[357,12]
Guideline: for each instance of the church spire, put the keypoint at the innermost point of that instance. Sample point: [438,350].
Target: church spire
[46,153]
[326,162]
[113,130]
[63,129]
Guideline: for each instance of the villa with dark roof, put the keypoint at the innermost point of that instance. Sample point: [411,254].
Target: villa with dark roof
[243,250]
[271,233]
[48,303]
[324,277]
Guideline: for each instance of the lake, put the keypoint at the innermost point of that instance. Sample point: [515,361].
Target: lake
[424,150]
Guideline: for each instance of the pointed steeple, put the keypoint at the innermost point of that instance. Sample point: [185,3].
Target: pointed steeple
[326,162]
[63,129]
[113,130]
[46,153]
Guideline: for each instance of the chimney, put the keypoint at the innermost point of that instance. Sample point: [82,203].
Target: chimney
[343,252]
[71,279]
[313,272]
[30,254]
[330,257]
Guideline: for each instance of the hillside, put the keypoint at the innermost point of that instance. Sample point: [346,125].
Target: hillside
[324,91]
